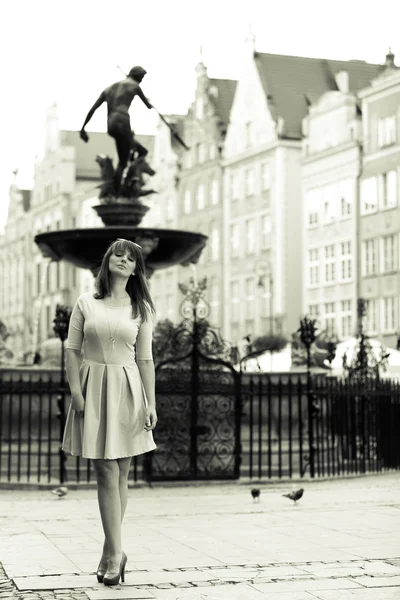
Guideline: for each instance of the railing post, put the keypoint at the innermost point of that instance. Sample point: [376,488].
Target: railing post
[60,327]
[307,332]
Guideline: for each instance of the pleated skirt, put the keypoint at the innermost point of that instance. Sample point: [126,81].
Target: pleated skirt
[114,417]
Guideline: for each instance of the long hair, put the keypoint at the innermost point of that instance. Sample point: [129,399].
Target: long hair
[137,286]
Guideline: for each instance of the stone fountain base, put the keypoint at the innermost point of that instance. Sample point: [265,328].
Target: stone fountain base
[85,248]
[121,213]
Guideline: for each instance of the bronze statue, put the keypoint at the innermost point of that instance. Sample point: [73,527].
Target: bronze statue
[119,97]
[132,184]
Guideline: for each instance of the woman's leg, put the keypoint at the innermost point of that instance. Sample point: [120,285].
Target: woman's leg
[107,475]
[124,466]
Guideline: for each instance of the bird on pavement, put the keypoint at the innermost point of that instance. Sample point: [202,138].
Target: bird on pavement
[256,494]
[294,495]
[60,491]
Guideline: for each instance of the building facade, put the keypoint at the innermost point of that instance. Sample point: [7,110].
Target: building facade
[15,282]
[163,211]
[379,203]
[330,175]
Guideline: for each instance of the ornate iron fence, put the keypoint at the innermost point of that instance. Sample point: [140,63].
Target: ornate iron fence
[215,426]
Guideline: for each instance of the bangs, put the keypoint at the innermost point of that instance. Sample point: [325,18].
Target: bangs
[122,245]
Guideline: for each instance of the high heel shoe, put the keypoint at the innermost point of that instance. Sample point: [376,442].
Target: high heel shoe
[100,573]
[113,578]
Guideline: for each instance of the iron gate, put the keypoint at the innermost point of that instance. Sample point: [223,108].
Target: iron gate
[198,406]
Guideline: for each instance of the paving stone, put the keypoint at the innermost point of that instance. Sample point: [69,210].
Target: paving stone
[53,582]
[306,585]
[119,593]
[360,594]
[378,581]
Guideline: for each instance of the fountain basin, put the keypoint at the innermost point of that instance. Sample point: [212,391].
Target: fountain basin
[85,248]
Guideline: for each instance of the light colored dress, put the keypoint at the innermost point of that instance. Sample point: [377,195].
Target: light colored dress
[115,400]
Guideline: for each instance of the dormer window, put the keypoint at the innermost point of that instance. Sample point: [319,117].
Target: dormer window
[387,131]
[199,108]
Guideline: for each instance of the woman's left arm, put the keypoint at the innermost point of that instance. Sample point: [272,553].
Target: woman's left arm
[145,363]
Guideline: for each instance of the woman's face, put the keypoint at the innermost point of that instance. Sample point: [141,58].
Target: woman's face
[122,263]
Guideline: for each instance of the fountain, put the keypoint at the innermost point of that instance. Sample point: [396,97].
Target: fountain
[120,207]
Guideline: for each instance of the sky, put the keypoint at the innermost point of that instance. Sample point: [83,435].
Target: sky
[68,52]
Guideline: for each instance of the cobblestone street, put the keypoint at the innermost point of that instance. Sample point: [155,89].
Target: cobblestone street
[209,542]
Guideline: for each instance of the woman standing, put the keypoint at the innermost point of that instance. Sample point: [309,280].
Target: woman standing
[113,409]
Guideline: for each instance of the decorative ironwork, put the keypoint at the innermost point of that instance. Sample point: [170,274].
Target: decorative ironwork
[198,393]
[366,362]
[60,327]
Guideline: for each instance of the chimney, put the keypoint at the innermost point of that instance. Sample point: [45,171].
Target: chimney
[342,81]
[389,62]
[250,42]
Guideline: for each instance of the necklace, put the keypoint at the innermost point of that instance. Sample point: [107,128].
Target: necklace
[111,339]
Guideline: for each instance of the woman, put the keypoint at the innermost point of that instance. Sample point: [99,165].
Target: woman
[113,409]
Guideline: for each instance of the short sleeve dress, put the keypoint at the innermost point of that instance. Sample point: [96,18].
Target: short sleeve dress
[115,400]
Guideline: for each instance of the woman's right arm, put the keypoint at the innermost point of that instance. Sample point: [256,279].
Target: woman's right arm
[73,353]
[73,362]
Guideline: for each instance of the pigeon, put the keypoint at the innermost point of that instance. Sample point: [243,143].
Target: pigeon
[294,495]
[256,494]
[60,491]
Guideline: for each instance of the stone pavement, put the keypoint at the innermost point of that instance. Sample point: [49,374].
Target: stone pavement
[210,542]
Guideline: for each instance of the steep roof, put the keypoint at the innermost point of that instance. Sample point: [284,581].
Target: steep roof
[224,98]
[177,122]
[291,83]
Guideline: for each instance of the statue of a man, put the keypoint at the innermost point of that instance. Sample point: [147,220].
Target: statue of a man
[119,97]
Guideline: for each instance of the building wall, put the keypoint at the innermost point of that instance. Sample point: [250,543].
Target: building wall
[164,214]
[14,284]
[330,170]
[380,206]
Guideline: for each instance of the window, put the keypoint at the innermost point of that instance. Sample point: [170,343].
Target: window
[329,318]
[235,302]
[346,197]
[249,182]
[387,131]
[212,151]
[346,261]
[200,197]
[235,240]
[346,318]
[389,250]
[249,134]
[199,108]
[313,311]
[370,262]
[201,154]
[369,195]
[266,176]
[313,266]
[49,324]
[250,236]
[214,300]
[235,186]
[214,192]
[330,264]
[214,242]
[312,206]
[329,203]
[187,203]
[387,183]
[38,275]
[266,228]
[389,318]
[371,307]
[249,304]
[169,208]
